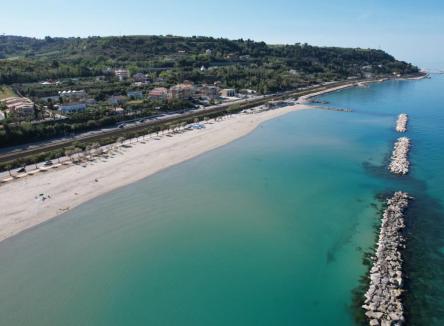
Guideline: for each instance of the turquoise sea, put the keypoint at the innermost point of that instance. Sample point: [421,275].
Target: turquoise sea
[268,230]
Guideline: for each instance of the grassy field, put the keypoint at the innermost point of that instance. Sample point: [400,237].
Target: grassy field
[6,91]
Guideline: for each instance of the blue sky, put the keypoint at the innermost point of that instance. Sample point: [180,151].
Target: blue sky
[412,30]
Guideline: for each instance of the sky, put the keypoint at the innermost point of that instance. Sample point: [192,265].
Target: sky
[411,30]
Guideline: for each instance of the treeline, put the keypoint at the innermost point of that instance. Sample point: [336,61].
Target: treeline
[29,59]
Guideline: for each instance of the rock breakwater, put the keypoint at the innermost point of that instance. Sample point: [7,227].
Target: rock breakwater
[383,302]
[401,123]
[399,161]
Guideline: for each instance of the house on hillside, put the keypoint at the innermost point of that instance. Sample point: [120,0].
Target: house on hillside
[158,93]
[181,91]
[210,92]
[19,107]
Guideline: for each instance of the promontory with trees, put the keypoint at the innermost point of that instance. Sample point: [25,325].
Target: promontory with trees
[65,86]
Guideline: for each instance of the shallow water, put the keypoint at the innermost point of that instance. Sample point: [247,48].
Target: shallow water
[268,230]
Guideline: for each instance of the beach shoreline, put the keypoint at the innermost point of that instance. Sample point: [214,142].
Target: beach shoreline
[30,201]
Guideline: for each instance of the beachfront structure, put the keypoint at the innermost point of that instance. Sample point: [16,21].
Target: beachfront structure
[136,95]
[181,91]
[228,92]
[122,74]
[158,93]
[72,107]
[19,107]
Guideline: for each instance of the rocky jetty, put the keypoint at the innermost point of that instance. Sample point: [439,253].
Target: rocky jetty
[401,124]
[383,302]
[399,161]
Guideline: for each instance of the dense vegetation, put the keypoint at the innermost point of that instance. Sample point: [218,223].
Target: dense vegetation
[165,60]
[236,63]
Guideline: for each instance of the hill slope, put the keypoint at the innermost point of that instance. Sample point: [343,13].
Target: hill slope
[253,64]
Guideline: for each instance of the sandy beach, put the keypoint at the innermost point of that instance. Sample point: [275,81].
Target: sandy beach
[23,207]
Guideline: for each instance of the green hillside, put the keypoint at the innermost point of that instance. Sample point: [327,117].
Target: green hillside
[239,63]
